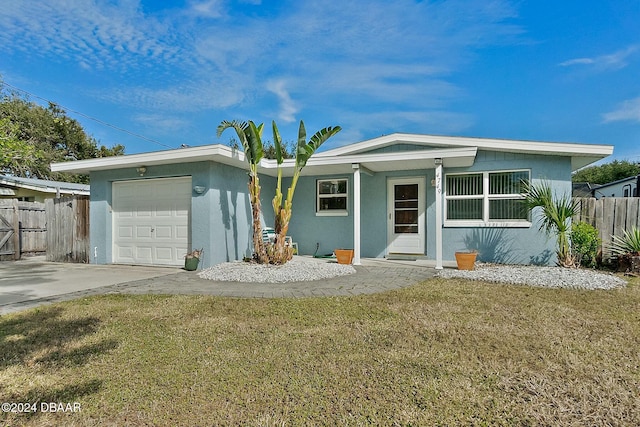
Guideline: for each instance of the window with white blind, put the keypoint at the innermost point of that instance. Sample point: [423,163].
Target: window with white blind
[486,198]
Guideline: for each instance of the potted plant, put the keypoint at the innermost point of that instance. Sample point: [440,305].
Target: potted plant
[466,259]
[192,259]
[344,256]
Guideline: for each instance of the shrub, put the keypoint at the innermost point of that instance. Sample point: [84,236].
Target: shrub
[584,243]
[628,243]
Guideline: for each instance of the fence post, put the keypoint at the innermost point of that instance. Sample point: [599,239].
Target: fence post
[16,231]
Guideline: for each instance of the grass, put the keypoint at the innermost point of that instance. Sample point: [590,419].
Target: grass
[444,352]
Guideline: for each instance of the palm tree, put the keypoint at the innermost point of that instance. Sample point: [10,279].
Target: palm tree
[250,137]
[556,217]
[304,150]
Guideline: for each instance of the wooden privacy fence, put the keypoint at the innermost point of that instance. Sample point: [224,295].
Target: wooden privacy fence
[68,229]
[611,216]
[59,227]
[23,228]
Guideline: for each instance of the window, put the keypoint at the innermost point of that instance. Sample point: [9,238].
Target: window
[332,197]
[486,198]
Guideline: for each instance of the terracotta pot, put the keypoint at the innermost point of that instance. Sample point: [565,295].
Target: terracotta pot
[466,260]
[344,256]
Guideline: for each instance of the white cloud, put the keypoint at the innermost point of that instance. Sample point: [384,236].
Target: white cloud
[288,107]
[627,111]
[613,61]
[161,122]
[393,58]
[206,9]
[99,35]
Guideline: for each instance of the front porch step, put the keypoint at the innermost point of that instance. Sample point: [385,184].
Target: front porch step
[406,257]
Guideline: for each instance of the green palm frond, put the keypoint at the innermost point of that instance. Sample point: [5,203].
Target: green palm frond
[250,137]
[629,242]
[277,142]
[306,149]
[556,216]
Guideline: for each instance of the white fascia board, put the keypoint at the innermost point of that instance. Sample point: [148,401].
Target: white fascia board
[220,153]
[395,156]
[533,147]
[421,159]
[226,155]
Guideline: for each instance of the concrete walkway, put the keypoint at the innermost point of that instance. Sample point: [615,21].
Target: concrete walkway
[30,283]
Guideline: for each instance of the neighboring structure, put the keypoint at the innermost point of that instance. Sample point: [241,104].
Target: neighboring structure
[627,187]
[37,190]
[581,189]
[397,195]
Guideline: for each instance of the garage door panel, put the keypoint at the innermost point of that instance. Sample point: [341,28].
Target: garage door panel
[182,232]
[164,254]
[151,220]
[143,232]
[125,232]
[164,232]
[143,253]
[125,252]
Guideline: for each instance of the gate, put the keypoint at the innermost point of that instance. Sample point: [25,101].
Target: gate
[23,228]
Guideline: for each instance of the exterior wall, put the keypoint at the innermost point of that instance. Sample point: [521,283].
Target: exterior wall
[220,217]
[616,189]
[508,245]
[334,232]
[522,245]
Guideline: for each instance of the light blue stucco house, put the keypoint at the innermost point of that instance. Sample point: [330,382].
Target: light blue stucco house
[399,195]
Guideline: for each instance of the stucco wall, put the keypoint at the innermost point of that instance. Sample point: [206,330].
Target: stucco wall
[507,245]
[221,216]
[220,220]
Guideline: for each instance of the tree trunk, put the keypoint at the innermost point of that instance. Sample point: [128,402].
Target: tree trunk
[281,253]
[260,254]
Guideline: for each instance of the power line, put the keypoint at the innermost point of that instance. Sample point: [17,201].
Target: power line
[88,117]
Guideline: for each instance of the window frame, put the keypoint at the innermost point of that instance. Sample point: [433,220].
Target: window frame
[486,197]
[332,212]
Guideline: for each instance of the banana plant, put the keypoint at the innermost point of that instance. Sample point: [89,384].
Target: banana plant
[304,150]
[250,137]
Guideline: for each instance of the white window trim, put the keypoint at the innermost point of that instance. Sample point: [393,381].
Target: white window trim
[335,212]
[486,197]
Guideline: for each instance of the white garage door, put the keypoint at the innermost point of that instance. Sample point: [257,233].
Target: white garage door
[151,221]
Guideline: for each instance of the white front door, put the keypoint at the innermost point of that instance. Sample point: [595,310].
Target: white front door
[151,221]
[406,216]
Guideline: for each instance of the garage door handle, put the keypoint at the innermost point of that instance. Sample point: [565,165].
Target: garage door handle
[153,229]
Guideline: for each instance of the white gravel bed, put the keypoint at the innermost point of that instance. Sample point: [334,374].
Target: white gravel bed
[548,277]
[299,269]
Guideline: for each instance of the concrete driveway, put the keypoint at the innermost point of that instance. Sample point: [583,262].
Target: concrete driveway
[33,279]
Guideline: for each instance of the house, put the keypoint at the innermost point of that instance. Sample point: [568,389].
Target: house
[37,190]
[626,187]
[399,195]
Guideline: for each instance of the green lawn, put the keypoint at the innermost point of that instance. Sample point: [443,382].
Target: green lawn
[444,352]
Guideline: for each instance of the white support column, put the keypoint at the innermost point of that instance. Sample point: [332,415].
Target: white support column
[438,214]
[356,213]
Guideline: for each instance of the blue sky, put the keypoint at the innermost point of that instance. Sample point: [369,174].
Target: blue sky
[171,71]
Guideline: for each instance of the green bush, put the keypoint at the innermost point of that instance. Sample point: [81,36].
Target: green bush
[584,243]
[628,243]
